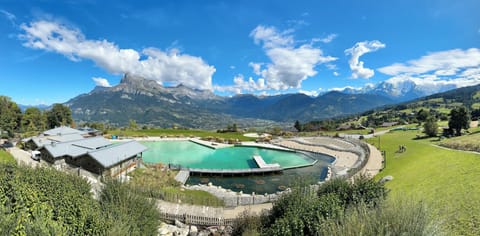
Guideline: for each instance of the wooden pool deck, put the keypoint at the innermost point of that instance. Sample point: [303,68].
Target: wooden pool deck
[235,171]
[182,176]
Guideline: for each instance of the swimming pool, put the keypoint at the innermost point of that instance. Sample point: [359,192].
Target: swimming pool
[191,155]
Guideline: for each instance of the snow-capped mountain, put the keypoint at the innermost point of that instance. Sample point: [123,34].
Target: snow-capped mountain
[405,88]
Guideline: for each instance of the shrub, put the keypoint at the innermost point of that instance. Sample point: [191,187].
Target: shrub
[128,212]
[247,223]
[400,217]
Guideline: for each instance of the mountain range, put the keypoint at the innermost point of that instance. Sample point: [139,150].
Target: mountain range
[150,103]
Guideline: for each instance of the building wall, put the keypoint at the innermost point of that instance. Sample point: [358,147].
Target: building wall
[30,145]
[86,162]
[48,158]
[121,167]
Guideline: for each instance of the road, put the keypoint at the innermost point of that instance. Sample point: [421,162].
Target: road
[22,157]
[357,136]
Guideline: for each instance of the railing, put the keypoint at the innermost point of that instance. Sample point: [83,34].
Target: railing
[196,220]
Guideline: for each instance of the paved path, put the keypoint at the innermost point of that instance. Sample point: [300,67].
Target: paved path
[366,136]
[22,157]
[214,212]
[374,163]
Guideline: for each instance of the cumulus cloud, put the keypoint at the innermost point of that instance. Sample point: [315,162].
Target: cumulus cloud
[436,71]
[360,48]
[102,82]
[443,62]
[241,84]
[336,73]
[163,66]
[256,67]
[290,63]
[311,93]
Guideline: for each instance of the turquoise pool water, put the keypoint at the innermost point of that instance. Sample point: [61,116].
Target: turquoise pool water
[192,155]
[189,154]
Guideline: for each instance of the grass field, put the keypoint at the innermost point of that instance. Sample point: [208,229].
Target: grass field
[447,180]
[5,157]
[466,142]
[160,183]
[179,132]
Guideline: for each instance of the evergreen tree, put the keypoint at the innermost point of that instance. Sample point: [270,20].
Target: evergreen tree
[298,126]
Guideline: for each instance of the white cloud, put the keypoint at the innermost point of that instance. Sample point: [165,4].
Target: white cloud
[240,85]
[336,73]
[232,67]
[427,84]
[360,48]
[256,67]
[290,64]
[331,66]
[449,61]
[163,66]
[101,82]
[436,71]
[327,39]
[340,89]
[10,17]
[311,93]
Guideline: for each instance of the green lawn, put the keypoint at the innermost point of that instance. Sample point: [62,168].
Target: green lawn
[180,132]
[466,142]
[447,180]
[5,157]
[158,183]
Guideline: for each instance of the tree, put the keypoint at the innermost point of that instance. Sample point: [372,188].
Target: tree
[10,116]
[430,126]
[459,119]
[422,115]
[33,120]
[59,115]
[298,126]
[132,124]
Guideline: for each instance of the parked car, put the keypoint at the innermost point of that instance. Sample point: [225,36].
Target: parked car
[36,155]
[7,144]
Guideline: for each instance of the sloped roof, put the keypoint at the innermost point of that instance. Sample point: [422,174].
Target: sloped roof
[92,143]
[63,130]
[65,137]
[76,148]
[65,149]
[40,141]
[114,154]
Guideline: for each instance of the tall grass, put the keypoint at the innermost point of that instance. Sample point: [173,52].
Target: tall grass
[401,217]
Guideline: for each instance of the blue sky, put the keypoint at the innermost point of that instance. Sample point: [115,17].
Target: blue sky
[52,51]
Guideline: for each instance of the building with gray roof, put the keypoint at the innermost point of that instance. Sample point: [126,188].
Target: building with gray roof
[63,130]
[95,154]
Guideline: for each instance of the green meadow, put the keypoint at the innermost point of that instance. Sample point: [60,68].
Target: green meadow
[5,157]
[448,181]
[180,133]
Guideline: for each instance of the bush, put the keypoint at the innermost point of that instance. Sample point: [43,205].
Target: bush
[44,201]
[128,212]
[402,217]
[247,223]
[363,189]
[306,212]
